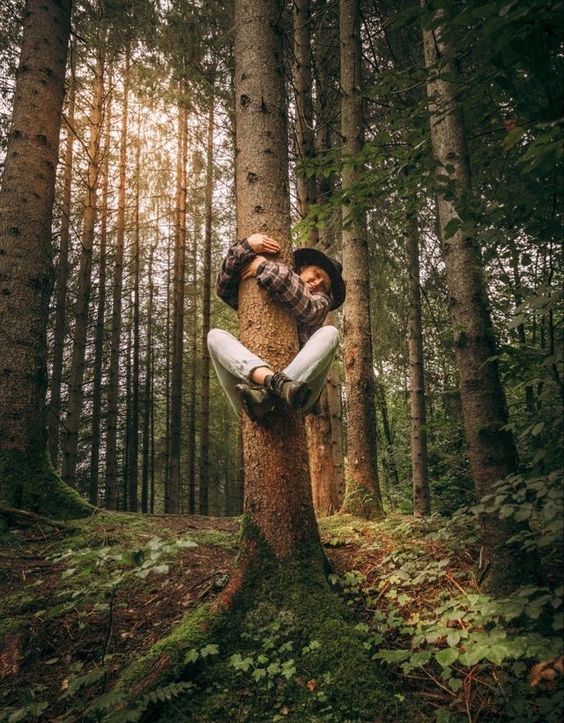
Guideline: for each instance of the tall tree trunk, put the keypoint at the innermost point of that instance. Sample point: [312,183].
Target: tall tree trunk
[322,427]
[62,287]
[147,401]
[100,333]
[390,467]
[491,447]
[205,392]
[172,502]
[278,500]
[166,466]
[26,274]
[126,477]
[326,452]
[419,466]
[302,76]
[362,495]
[89,215]
[152,486]
[191,423]
[518,300]
[113,386]
[135,382]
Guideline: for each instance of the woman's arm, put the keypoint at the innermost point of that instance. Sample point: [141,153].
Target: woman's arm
[288,288]
[239,255]
[229,276]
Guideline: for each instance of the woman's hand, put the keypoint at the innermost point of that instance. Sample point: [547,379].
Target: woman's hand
[260,243]
[250,270]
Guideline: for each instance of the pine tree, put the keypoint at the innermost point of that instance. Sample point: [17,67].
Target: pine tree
[491,446]
[362,494]
[26,207]
[89,217]
[111,498]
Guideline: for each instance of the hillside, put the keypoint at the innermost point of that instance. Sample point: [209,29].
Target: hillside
[82,602]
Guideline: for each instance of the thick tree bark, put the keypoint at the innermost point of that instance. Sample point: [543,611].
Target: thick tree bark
[491,446]
[277,485]
[419,466]
[362,495]
[26,273]
[326,449]
[89,216]
[172,501]
[100,333]
[62,287]
[205,391]
[113,386]
[27,195]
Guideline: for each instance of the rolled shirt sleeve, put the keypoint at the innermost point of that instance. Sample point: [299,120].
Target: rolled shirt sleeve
[289,290]
[228,278]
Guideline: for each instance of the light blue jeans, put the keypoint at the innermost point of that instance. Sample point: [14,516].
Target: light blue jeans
[234,363]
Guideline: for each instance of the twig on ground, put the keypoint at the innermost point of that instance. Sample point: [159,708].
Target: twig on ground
[450,578]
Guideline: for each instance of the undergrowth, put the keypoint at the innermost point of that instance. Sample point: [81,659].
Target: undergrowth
[409,636]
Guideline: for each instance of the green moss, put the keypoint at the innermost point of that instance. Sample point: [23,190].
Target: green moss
[341,529]
[308,660]
[190,633]
[30,483]
[12,624]
[218,538]
[20,602]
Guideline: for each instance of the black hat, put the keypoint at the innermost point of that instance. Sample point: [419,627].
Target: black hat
[313,257]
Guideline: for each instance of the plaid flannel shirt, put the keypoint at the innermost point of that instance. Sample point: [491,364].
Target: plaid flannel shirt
[283,284]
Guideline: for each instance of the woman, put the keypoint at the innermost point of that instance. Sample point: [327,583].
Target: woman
[309,292]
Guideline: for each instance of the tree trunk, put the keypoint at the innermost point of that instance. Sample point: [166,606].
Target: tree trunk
[278,500]
[62,284]
[166,465]
[205,392]
[491,447]
[26,274]
[113,386]
[135,382]
[324,454]
[323,438]
[147,401]
[302,76]
[89,215]
[152,486]
[391,467]
[126,477]
[419,466]
[172,502]
[203,491]
[362,495]
[100,333]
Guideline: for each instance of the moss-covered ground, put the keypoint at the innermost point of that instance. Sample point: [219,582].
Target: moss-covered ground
[29,482]
[115,618]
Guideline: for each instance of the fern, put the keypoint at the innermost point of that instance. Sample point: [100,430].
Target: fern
[160,695]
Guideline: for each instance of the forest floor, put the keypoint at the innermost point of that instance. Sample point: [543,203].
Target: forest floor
[79,603]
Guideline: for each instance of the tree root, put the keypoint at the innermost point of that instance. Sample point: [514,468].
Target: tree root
[26,518]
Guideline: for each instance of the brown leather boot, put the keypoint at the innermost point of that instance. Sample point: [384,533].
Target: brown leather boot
[255,400]
[295,394]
